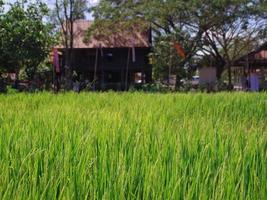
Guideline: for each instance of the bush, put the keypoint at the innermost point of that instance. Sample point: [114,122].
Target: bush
[221,86]
[218,86]
[3,87]
[150,87]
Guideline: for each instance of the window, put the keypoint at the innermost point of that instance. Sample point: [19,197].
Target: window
[109,57]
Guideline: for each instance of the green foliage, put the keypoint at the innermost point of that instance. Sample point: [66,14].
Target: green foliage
[236,31]
[221,29]
[64,15]
[67,11]
[3,87]
[164,18]
[133,146]
[1,6]
[25,40]
[80,9]
[150,87]
[165,59]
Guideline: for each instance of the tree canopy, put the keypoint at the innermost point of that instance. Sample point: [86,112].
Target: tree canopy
[25,39]
[218,28]
[65,13]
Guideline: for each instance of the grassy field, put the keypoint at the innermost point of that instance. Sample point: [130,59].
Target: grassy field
[133,146]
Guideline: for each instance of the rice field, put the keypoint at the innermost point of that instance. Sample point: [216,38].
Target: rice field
[133,146]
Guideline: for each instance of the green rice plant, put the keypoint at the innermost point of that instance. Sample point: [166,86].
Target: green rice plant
[133,146]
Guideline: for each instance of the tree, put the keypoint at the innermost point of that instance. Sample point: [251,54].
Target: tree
[1,6]
[170,21]
[167,61]
[65,14]
[2,83]
[235,32]
[1,21]
[196,25]
[25,40]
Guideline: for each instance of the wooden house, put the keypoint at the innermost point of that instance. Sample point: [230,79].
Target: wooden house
[251,68]
[111,62]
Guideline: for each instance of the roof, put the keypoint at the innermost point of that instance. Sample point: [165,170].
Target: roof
[258,56]
[120,39]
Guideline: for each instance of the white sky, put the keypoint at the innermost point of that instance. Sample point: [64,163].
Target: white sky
[51,3]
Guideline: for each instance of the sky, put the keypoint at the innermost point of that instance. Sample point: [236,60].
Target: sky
[51,3]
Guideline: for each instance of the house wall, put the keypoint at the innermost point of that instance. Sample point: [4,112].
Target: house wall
[112,65]
[110,59]
[207,75]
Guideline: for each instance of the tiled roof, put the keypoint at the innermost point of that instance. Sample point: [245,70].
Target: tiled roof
[259,54]
[118,40]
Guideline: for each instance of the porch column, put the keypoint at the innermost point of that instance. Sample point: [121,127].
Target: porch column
[122,83]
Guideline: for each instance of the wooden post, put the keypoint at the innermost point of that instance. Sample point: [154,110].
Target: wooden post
[127,69]
[122,79]
[248,67]
[95,69]
[170,66]
[53,79]
[102,73]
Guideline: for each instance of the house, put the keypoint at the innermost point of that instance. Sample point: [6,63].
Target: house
[111,62]
[250,71]
[207,75]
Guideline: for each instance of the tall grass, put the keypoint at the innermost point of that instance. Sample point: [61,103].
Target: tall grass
[133,146]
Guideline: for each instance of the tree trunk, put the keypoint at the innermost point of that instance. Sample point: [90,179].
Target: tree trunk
[219,71]
[16,83]
[178,82]
[70,49]
[68,70]
[3,88]
[229,75]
